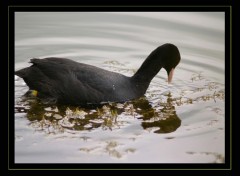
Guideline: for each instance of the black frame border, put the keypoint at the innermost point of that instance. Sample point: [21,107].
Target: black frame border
[137,166]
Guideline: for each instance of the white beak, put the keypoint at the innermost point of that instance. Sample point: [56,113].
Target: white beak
[170,76]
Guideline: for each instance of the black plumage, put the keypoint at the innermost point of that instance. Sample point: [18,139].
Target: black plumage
[60,80]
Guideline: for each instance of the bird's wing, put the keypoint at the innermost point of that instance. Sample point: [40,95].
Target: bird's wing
[69,80]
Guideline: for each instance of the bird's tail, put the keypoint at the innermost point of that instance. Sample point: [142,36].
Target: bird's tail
[22,73]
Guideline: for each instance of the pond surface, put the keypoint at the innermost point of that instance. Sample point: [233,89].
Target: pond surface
[181,122]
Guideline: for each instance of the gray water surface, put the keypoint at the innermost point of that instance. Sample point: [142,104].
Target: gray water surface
[120,42]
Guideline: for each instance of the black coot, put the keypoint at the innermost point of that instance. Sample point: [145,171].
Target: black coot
[60,80]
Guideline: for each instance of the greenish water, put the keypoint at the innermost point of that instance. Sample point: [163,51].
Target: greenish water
[183,122]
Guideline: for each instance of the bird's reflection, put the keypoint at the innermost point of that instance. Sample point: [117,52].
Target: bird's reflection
[165,119]
[162,117]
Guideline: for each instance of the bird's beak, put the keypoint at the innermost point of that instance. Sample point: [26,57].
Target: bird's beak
[170,75]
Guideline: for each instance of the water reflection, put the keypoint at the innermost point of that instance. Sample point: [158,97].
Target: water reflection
[162,118]
[165,119]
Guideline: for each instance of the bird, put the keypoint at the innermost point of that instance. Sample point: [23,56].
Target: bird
[63,81]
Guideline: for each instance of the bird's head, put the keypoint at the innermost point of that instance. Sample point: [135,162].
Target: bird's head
[170,59]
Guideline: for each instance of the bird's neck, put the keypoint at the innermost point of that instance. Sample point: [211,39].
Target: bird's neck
[147,71]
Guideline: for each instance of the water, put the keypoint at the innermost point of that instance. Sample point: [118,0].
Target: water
[178,123]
